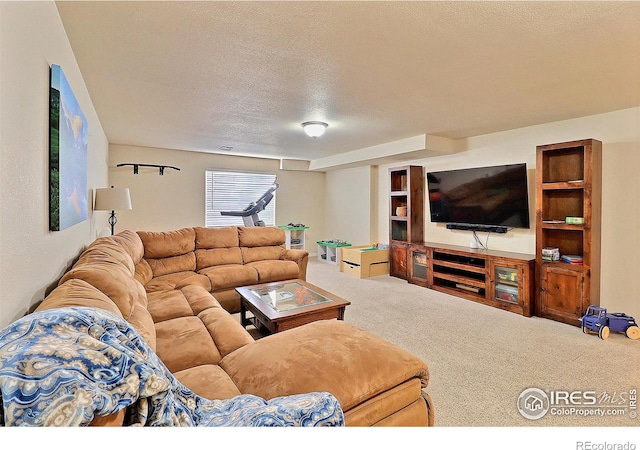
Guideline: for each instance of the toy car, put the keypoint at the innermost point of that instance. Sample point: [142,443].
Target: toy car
[598,320]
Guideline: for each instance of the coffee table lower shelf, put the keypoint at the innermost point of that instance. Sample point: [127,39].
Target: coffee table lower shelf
[270,327]
[267,320]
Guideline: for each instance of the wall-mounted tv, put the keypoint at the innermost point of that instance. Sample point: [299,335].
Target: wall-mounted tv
[494,196]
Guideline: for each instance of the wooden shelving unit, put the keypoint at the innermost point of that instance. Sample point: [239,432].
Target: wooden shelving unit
[568,184]
[406,215]
[500,279]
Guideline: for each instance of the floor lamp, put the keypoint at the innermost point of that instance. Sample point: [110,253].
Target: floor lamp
[112,199]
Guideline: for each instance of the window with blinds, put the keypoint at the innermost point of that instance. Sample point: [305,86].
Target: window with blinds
[234,191]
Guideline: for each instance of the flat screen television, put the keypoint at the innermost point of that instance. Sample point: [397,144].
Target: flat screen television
[494,196]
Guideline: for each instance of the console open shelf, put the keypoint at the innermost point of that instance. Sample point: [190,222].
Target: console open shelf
[501,279]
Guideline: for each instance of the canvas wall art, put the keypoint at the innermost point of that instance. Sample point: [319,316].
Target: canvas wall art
[67,155]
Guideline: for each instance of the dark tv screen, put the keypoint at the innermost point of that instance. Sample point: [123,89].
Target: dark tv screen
[492,196]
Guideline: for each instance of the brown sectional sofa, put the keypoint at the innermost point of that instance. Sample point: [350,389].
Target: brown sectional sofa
[177,288]
[229,257]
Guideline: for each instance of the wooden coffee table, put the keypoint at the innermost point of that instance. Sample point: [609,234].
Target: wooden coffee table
[287,304]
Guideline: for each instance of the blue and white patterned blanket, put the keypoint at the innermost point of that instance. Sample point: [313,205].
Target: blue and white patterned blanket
[63,367]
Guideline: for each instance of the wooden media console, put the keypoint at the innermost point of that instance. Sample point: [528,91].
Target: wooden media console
[501,279]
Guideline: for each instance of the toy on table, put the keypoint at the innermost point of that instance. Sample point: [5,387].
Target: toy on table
[598,320]
[338,242]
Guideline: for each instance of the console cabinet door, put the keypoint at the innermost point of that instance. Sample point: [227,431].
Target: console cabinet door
[398,259]
[505,282]
[511,286]
[561,294]
[418,265]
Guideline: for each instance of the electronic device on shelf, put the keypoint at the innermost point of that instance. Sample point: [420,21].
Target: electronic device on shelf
[492,199]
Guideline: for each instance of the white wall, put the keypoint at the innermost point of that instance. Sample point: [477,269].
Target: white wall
[350,208]
[31,257]
[176,199]
[619,132]
[500,151]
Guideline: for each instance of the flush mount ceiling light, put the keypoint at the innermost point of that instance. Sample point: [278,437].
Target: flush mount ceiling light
[314,129]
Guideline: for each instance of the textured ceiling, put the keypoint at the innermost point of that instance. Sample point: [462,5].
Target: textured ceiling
[200,75]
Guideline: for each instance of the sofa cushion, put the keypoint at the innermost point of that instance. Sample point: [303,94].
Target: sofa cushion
[217,257]
[76,292]
[208,381]
[225,330]
[197,279]
[106,250]
[275,270]
[189,300]
[251,254]
[222,237]
[172,264]
[131,242]
[143,272]
[167,282]
[142,321]
[365,364]
[199,298]
[113,280]
[233,275]
[184,342]
[167,305]
[260,236]
[163,244]
[229,299]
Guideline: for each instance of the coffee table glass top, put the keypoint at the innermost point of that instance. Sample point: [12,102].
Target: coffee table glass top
[288,296]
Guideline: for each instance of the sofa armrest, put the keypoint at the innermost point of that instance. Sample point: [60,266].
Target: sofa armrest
[301,258]
[143,273]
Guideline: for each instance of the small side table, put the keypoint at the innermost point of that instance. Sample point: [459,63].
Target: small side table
[329,252]
[294,236]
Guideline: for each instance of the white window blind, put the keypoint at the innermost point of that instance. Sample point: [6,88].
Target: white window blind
[234,191]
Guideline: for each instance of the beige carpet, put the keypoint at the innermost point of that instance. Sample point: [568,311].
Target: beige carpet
[481,358]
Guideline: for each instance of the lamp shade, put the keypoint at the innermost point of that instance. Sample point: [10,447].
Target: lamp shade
[112,199]
[314,129]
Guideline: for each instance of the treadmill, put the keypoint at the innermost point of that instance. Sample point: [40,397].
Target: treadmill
[250,213]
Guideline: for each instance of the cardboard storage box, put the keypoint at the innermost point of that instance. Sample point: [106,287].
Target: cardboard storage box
[364,262]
